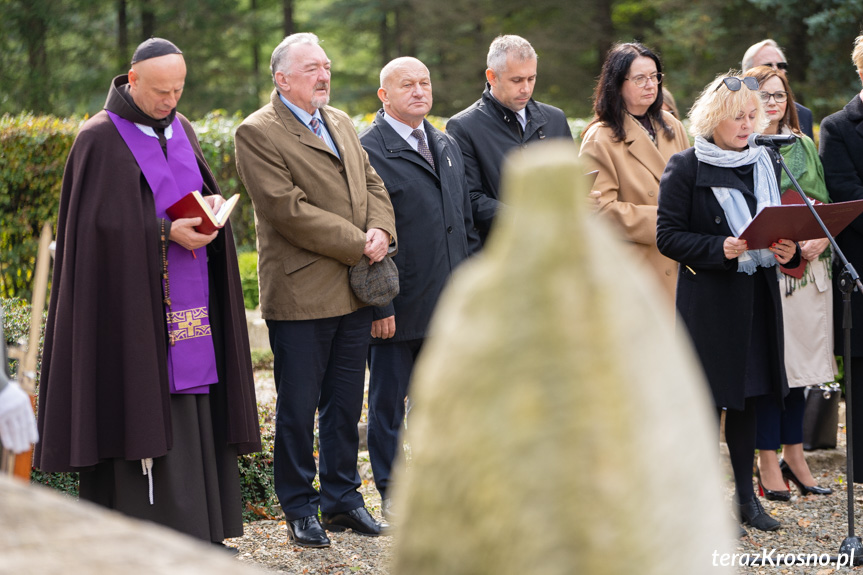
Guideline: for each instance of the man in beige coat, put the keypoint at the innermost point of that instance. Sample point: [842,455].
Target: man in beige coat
[319,208]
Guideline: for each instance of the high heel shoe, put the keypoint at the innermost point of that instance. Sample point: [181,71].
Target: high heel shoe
[804,489]
[769,493]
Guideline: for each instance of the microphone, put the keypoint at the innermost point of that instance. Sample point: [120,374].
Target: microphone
[772,141]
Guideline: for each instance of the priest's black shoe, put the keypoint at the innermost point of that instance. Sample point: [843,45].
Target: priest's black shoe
[359,520]
[752,513]
[307,532]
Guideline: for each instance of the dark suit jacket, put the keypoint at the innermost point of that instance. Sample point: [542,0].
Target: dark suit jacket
[841,151]
[804,117]
[312,210]
[433,220]
[714,300]
[486,132]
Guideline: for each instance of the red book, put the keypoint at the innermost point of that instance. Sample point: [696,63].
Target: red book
[193,205]
[795,222]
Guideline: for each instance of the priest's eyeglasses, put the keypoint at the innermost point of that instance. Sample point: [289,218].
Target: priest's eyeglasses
[734,83]
[778,97]
[641,80]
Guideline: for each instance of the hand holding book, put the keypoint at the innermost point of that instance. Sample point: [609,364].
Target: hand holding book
[194,205]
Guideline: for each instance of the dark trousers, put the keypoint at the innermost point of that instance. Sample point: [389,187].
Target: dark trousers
[740,438]
[390,367]
[319,364]
[777,426]
[857,413]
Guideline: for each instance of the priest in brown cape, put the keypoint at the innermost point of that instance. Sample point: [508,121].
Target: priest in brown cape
[147,388]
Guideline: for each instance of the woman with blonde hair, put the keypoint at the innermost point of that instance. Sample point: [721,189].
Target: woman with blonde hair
[807,309]
[728,295]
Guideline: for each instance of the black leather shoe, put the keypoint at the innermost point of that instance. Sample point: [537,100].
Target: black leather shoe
[359,520]
[784,495]
[307,532]
[752,513]
[742,532]
[804,489]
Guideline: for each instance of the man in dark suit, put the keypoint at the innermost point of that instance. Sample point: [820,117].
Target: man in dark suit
[505,117]
[424,174]
[841,151]
[768,53]
[319,208]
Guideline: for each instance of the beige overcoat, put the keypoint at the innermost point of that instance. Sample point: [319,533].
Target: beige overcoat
[628,182]
[312,210]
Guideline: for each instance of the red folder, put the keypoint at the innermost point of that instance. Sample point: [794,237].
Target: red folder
[795,222]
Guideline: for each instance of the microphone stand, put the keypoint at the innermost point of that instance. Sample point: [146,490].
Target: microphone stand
[847,281]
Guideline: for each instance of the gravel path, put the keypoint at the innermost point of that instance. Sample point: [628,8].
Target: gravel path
[265,543]
[810,525]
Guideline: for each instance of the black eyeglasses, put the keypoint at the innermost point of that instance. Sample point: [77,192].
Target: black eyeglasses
[777,65]
[733,83]
[779,97]
[640,81]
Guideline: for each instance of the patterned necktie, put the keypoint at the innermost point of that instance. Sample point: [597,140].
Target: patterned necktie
[422,148]
[315,125]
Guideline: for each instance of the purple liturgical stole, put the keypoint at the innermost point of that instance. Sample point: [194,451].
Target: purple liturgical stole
[191,360]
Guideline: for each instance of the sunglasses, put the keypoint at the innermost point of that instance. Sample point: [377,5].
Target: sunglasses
[776,65]
[733,83]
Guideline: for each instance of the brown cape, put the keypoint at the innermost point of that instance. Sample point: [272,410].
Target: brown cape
[104,385]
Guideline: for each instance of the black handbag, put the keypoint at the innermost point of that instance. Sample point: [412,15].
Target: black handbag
[821,417]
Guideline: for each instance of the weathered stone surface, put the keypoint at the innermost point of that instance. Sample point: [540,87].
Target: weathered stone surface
[43,532]
[559,424]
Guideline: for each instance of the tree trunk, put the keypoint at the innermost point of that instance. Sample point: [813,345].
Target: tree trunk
[35,31]
[604,30]
[123,55]
[148,20]
[288,16]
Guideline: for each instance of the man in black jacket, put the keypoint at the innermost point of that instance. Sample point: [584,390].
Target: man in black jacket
[505,117]
[423,171]
[841,145]
[768,53]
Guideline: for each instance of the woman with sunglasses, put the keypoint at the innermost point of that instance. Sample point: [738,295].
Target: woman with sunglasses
[807,309]
[727,295]
[629,142]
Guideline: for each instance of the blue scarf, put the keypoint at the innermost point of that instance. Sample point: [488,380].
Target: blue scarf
[732,201]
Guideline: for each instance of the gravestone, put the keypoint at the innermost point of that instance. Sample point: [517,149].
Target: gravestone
[560,424]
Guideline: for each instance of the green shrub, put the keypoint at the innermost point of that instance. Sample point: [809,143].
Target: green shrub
[256,473]
[33,152]
[248,262]
[216,136]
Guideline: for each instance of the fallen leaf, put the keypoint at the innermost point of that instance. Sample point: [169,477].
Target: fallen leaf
[804,522]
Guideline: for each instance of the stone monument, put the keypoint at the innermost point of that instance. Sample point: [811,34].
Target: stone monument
[560,424]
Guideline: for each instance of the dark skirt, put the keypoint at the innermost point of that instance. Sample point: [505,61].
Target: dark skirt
[196,486]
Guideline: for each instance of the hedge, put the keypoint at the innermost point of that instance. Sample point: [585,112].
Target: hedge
[33,151]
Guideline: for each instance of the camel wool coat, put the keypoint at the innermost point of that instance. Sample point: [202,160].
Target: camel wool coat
[312,210]
[628,181]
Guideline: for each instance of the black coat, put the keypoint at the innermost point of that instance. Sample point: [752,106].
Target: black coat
[842,157]
[433,220]
[714,299]
[804,118]
[486,132]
